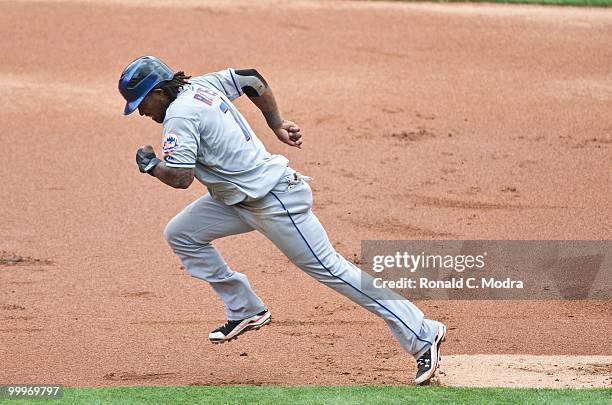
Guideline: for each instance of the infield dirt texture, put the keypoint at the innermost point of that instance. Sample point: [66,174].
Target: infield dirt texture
[421,121]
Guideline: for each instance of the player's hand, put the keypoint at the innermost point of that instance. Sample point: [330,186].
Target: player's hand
[289,133]
[146,159]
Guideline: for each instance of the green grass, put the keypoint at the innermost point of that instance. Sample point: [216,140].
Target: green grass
[581,3]
[328,395]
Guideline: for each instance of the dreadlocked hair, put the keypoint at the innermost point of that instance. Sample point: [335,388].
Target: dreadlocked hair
[173,86]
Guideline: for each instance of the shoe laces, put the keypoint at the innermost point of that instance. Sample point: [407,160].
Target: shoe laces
[228,326]
[424,361]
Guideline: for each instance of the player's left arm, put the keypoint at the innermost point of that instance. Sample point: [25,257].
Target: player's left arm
[176,177]
[179,150]
[259,92]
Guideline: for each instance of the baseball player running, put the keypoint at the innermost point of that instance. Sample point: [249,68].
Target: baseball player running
[205,137]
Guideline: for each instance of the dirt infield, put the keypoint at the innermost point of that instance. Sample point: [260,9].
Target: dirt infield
[421,122]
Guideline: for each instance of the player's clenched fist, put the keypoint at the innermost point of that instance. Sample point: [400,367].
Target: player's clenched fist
[146,159]
[289,133]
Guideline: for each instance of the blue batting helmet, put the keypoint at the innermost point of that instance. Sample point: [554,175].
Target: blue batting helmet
[139,78]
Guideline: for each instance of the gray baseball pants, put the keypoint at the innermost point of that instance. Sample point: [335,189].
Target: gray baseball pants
[285,217]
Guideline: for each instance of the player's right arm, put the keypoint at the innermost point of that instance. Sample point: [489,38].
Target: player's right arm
[234,83]
[260,93]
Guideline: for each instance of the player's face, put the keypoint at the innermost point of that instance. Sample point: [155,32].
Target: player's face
[154,105]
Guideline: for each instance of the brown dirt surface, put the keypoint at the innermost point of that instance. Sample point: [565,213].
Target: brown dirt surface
[421,121]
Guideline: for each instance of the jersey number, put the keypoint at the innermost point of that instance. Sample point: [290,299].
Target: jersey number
[245,131]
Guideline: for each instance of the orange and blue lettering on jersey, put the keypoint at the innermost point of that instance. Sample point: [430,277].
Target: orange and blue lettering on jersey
[205,95]
[223,107]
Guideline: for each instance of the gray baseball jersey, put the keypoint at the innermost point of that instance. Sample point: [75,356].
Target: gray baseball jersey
[203,129]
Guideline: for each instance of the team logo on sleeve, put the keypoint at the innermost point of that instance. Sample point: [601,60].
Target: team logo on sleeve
[170,144]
